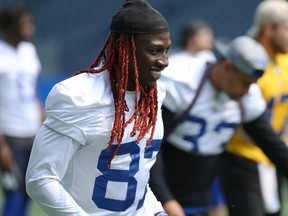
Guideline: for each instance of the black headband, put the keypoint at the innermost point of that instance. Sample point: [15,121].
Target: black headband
[138,17]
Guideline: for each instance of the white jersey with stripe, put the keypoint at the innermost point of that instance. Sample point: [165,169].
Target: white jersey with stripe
[19,108]
[213,119]
[67,173]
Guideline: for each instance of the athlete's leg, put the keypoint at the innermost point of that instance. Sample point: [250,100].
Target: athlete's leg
[274,214]
[217,205]
[190,178]
[21,148]
[15,204]
[269,189]
[241,187]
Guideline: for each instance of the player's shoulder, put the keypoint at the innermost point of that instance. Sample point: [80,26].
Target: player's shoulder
[184,68]
[253,92]
[282,60]
[2,44]
[253,103]
[161,92]
[80,91]
[26,48]
[4,47]
[26,45]
[180,56]
[254,89]
[23,45]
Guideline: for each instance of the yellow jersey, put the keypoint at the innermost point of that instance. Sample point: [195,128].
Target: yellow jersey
[274,87]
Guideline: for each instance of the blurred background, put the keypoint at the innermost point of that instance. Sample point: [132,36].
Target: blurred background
[69,33]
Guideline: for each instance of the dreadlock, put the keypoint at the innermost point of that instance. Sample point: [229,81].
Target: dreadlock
[145,114]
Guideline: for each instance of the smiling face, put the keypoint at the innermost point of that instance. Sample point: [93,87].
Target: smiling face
[152,58]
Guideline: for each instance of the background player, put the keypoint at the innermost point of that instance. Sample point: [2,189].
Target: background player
[250,178]
[192,152]
[20,110]
[197,41]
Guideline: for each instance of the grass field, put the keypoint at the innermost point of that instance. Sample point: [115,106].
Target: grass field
[35,210]
[285,199]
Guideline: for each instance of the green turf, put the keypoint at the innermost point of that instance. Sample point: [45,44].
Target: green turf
[36,210]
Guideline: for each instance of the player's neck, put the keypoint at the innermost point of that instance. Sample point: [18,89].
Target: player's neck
[269,49]
[11,41]
[215,77]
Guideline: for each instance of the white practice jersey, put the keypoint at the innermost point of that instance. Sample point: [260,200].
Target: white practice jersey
[213,119]
[204,55]
[19,108]
[67,173]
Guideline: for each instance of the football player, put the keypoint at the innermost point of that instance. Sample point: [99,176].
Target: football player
[93,154]
[190,158]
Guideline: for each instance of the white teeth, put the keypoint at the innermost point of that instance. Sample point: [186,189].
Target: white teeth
[156,73]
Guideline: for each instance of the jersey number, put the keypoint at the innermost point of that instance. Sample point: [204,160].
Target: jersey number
[122,177]
[270,105]
[202,123]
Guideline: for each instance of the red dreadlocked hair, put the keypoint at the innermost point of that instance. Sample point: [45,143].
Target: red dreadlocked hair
[145,113]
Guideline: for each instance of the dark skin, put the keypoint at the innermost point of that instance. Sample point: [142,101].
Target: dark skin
[274,37]
[22,30]
[152,57]
[225,77]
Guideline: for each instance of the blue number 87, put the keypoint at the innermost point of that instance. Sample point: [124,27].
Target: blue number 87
[124,177]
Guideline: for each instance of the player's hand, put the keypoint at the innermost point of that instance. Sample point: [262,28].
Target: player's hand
[173,208]
[6,158]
